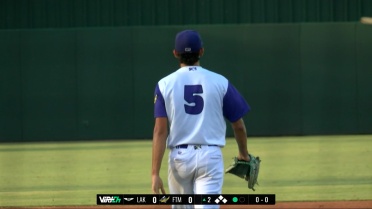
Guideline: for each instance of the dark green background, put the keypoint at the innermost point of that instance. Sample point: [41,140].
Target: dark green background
[22,14]
[98,83]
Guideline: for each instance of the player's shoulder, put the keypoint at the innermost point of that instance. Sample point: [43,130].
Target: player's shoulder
[167,78]
[180,74]
[216,76]
[214,73]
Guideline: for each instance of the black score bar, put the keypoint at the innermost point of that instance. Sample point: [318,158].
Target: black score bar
[186,199]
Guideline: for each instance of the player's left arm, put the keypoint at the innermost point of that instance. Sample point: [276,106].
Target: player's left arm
[158,148]
[159,140]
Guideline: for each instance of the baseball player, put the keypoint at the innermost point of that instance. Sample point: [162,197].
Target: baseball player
[195,102]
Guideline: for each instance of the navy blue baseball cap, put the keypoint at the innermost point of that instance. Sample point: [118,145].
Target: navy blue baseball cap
[188,41]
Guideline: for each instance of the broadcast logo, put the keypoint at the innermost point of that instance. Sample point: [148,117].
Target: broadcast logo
[128,199]
[108,199]
[164,199]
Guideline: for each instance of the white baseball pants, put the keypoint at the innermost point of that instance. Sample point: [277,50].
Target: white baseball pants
[197,169]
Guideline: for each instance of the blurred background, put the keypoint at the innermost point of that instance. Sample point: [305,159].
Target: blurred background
[86,69]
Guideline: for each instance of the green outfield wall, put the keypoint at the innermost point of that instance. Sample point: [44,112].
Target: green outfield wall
[30,14]
[98,83]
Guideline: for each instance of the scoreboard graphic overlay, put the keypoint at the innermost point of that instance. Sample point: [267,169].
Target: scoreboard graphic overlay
[185,199]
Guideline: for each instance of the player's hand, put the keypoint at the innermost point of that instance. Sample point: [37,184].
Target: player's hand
[157,184]
[243,157]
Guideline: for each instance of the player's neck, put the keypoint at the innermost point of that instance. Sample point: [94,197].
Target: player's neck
[195,64]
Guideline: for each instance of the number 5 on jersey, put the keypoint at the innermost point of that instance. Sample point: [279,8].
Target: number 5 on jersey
[195,102]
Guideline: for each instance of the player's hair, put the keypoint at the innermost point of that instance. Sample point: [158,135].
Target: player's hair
[189,58]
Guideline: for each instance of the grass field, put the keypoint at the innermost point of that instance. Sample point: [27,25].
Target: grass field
[294,168]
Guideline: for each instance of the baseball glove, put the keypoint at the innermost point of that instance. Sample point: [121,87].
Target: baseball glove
[246,170]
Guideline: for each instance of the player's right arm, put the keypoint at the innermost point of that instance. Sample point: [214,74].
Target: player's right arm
[234,108]
[240,134]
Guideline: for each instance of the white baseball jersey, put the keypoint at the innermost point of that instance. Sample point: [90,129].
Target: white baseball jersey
[196,101]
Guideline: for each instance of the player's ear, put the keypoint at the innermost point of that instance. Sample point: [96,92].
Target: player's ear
[201,52]
[175,54]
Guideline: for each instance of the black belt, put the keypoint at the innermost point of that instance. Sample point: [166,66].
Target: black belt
[182,146]
[185,146]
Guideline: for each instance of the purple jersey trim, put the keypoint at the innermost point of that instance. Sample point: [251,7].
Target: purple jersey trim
[234,105]
[159,104]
